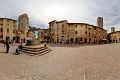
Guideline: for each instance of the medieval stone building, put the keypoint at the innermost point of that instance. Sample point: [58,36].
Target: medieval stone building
[43,35]
[114,36]
[7,29]
[64,32]
[24,31]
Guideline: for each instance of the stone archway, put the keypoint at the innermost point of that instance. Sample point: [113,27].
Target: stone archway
[76,40]
[71,40]
[17,39]
[85,40]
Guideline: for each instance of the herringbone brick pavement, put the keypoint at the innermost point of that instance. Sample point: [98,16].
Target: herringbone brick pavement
[98,62]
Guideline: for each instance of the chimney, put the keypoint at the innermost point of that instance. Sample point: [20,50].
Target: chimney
[112,29]
[100,22]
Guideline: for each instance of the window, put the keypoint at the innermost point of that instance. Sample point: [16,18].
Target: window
[89,40]
[7,30]
[13,31]
[1,29]
[89,28]
[62,31]
[95,28]
[76,32]
[75,25]
[85,32]
[85,40]
[89,34]
[1,36]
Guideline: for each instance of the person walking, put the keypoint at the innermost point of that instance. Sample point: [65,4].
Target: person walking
[14,42]
[7,46]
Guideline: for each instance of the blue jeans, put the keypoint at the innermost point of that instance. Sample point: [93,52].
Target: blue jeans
[18,50]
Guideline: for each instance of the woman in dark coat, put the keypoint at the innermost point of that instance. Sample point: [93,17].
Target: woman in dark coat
[7,47]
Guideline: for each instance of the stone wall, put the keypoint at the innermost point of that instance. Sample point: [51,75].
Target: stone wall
[8,27]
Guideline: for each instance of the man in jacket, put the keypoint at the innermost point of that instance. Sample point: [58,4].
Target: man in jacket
[7,46]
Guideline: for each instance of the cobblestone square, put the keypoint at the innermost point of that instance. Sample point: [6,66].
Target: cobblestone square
[95,62]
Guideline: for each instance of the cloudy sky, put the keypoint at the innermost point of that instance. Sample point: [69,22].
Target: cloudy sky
[43,11]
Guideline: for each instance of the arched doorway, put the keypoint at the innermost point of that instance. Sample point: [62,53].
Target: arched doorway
[76,40]
[85,40]
[71,40]
[24,40]
[13,38]
[17,39]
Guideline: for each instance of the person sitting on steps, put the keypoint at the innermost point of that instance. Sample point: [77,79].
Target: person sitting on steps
[19,49]
[45,44]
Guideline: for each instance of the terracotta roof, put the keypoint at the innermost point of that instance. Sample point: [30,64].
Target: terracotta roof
[9,19]
[78,23]
[87,24]
[114,32]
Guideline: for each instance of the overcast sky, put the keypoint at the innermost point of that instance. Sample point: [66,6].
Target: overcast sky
[41,12]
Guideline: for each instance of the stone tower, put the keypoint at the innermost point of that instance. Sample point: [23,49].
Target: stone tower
[23,23]
[112,29]
[100,22]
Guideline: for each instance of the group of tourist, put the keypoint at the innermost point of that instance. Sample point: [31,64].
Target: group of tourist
[18,49]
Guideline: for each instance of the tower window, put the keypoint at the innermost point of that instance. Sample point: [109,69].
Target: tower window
[76,32]
[7,30]
[1,30]
[13,31]
[1,36]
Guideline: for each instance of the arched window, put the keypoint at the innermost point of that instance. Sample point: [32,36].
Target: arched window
[76,32]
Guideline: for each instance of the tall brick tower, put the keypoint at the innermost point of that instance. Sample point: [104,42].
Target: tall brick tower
[100,22]
[23,23]
[112,29]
